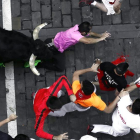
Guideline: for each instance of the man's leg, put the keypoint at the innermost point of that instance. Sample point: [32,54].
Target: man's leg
[106,129]
[59,61]
[69,107]
[101,6]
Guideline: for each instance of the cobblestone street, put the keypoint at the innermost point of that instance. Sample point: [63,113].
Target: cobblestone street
[125,39]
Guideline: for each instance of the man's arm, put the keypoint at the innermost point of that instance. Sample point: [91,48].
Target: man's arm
[80,72]
[93,40]
[98,35]
[124,92]
[131,88]
[40,133]
[39,126]
[111,107]
[133,85]
[10,118]
[95,34]
[61,137]
[63,81]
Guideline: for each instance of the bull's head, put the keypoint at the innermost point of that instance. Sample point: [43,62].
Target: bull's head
[33,57]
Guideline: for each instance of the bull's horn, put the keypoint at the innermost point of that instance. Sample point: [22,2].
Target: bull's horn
[37,29]
[32,66]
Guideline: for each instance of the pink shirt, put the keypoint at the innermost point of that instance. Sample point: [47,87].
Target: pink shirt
[65,39]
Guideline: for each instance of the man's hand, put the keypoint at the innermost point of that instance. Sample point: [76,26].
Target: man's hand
[61,137]
[12,117]
[94,68]
[98,61]
[123,93]
[105,35]
[72,98]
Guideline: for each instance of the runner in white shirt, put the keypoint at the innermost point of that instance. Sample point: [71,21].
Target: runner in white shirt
[108,6]
[125,117]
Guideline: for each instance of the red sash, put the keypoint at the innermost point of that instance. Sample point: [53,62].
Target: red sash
[81,96]
[112,2]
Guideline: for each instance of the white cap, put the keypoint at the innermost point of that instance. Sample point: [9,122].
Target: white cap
[87,137]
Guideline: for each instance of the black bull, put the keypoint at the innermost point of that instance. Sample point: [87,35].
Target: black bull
[15,46]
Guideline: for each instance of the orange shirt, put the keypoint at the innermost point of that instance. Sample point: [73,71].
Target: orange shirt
[94,101]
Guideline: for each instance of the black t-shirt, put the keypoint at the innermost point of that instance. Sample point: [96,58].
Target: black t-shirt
[110,79]
[4,136]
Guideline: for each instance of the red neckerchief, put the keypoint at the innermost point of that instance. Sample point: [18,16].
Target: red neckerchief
[81,96]
[112,2]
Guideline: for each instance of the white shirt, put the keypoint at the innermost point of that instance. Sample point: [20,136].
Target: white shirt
[123,120]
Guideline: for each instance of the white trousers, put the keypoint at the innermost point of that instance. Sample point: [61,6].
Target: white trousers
[69,107]
[108,130]
[109,7]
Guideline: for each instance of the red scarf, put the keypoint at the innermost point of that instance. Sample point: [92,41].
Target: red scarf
[81,96]
[112,2]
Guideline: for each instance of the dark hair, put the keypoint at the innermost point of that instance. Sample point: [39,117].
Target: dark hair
[122,68]
[88,87]
[136,106]
[21,137]
[54,102]
[84,27]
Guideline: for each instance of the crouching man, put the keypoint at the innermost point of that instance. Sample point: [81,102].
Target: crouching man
[85,93]
[125,117]
[45,101]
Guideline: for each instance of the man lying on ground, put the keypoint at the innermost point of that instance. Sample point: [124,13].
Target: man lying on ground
[125,117]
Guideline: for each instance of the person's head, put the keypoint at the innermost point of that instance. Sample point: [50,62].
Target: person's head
[136,106]
[54,103]
[84,28]
[121,68]
[87,87]
[21,137]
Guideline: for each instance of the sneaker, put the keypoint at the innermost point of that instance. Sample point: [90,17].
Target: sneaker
[83,3]
[89,129]
[137,82]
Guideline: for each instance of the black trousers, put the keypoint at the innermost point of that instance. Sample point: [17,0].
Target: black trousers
[57,62]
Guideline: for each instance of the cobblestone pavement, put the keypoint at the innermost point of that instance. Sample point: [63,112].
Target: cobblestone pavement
[125,30]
